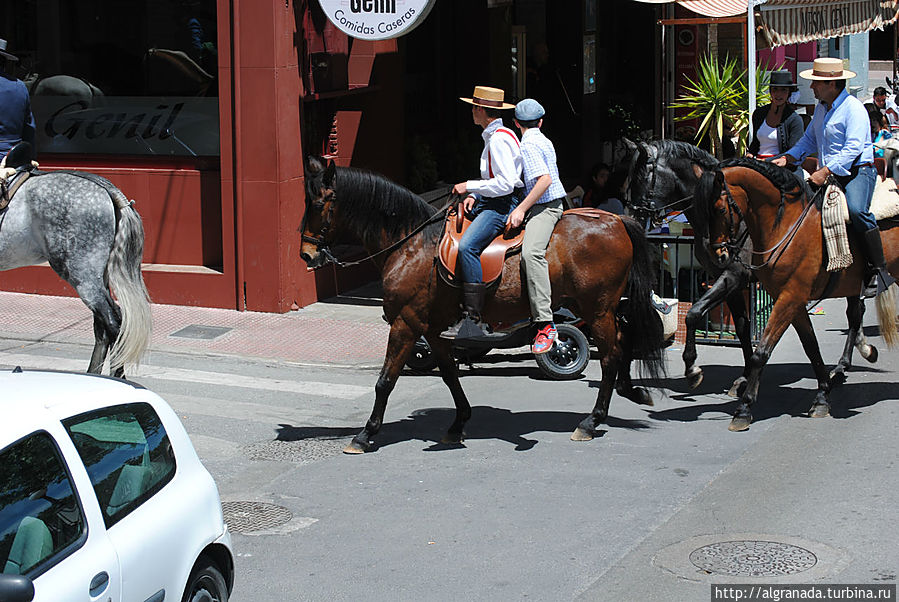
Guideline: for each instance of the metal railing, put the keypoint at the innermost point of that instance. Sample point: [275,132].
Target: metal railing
[681,277]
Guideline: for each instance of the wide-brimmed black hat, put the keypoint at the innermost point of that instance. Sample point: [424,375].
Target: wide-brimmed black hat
[782,79]
[4,53]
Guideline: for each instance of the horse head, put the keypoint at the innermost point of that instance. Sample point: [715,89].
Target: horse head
[318,221]
[661,177]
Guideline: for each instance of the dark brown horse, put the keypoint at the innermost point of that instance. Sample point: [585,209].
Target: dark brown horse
[787,225]
[593,260]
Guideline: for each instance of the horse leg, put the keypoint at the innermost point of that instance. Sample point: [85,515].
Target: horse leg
[712,297]
[606,337]
[803,325]
[855,311]
[107,324]
[623,384]
[399,346]
[778,322]
[449,372]
[737,305]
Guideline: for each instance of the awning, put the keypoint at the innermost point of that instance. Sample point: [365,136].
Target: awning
[709,8]
[793,21]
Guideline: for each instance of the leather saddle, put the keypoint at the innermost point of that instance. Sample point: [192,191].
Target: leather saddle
[492,258]
[17,168]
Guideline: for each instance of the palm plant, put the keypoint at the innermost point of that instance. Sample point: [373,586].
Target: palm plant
[717,98]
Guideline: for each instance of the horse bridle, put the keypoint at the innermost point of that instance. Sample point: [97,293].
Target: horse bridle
[734,243]
[322,246]
[645,207]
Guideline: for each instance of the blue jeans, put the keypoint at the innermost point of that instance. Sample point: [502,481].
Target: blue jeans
[489,221]
[858,196]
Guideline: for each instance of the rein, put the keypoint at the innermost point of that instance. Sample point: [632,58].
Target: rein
[322,246]
[647,207]
[777,250]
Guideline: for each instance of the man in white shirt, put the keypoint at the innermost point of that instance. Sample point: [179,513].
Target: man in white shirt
[542,209]
[488,200]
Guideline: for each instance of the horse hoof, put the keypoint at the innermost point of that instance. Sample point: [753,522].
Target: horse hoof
[694,377]
[453,438]
[819,410]
[580,434]
[872,354]
[739,423]
[355,448]
[642,397]
[736,389]
[837,377]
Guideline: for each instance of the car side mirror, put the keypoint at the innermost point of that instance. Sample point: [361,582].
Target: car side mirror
[16,588]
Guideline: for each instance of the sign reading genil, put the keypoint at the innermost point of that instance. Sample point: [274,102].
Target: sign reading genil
[376,19]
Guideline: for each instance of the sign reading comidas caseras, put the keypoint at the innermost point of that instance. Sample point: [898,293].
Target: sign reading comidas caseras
[376,19]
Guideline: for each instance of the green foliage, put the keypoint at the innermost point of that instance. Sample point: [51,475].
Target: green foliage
[719,98]
[622,123]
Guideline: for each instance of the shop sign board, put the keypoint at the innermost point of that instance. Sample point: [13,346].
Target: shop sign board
[376,19]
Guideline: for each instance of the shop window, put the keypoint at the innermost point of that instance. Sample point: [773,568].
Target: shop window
[135,77]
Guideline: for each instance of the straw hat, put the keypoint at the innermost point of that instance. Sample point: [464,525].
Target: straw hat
[826,68]
[4,53]
[492,98]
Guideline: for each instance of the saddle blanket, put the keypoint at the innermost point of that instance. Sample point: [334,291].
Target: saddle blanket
[835,216]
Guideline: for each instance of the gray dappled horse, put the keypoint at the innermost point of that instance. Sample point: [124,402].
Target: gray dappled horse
[94,239]
[662,177]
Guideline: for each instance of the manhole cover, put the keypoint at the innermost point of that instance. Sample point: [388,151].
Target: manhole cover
[740,557]
[247,517]
[298,452]
[753,558]
[197,331]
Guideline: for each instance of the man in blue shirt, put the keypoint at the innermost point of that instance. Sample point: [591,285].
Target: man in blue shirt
[16,120]
[542,208]
[840,133]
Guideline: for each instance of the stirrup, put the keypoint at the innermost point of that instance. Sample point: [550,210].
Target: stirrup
[466,329]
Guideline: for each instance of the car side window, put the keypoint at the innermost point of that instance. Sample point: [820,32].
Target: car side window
[127,454]
[40,516]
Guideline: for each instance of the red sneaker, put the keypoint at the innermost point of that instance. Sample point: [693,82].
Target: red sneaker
[545,338]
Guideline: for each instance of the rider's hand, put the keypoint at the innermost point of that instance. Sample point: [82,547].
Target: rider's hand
[515,219]
[750,156]
[780,161]
[819,178]
[460,188]
[468,203]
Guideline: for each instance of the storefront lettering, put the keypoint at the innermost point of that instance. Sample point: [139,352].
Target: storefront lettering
[376,19]
[816,20]
[66,122]
[373,6]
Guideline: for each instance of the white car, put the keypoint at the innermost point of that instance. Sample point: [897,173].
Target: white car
[103,497]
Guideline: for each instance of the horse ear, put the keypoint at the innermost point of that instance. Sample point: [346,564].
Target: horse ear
[330,173]
[314,165]
[631,146]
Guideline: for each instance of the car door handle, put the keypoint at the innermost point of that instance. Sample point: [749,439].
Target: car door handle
[99,583]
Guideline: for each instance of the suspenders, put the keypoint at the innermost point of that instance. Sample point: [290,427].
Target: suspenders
[489,160]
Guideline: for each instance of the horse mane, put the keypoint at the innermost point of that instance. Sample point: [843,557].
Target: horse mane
[677,148]
[782,179]
[378,206]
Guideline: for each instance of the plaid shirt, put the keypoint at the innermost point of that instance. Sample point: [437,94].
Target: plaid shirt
[539,158]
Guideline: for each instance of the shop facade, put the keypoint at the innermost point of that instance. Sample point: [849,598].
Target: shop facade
[203,110]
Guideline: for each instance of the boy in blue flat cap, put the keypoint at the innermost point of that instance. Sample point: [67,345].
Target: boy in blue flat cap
[541,209]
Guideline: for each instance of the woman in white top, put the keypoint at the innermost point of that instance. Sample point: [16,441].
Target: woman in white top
[776,126]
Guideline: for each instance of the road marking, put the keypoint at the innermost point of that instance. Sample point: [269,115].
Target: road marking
[307,388]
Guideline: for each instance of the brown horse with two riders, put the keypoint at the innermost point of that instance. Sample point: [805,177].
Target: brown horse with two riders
[784,221]
[594,260]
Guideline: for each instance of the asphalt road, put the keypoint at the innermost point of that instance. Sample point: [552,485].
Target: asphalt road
[519,511]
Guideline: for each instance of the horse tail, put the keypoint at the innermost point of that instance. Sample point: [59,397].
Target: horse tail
[646,337]
[127,283]
[886,316]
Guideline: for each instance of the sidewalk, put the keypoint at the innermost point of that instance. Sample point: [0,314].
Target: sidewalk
[346,330]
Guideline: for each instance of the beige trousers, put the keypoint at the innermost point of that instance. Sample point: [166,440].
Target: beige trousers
[540,223]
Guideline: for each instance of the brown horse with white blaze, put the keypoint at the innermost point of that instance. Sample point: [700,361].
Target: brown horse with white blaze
[594,260]
[782,220]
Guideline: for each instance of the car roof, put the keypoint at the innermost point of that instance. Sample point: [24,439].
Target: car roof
[34,399]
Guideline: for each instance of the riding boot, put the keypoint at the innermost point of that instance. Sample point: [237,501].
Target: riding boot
[877,278]
[470,326]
